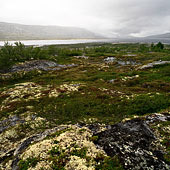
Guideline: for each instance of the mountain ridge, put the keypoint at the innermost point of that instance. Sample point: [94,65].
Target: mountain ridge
[157,36]
[14,31]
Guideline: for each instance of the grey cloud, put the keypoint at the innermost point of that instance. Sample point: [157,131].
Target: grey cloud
[146,16]
[110,17]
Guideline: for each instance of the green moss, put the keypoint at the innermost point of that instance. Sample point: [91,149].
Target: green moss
[58,158]
[79,152]
[94,138]
[29,162]
[108,163]
[55,151]
[82,131]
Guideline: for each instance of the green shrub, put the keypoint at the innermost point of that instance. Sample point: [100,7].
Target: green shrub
[6,56]
[158,47]
[10,55]
[143,48]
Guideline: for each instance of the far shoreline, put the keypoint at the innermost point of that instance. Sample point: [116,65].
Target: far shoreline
[55,42]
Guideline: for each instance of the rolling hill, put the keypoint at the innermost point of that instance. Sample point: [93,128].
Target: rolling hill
[10,31]
[160,36]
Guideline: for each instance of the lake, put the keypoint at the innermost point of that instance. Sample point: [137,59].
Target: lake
[51,42]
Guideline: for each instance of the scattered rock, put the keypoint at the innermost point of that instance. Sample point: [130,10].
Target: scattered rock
[32,65]
[112,80]
[64,66]
[124,63]
[81,57]
[130,55]
[43,65]
[120,62]
[130,78]
[157,117]
[110,59]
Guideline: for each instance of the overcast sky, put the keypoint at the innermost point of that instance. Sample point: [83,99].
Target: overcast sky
[113,17]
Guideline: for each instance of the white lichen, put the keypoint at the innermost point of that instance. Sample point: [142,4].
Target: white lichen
[39,150]
[75,138]
[77,163]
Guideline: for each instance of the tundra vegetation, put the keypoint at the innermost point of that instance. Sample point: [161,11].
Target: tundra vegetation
[105,85]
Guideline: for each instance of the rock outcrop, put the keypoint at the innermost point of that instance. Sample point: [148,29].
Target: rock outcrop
[153,64]
[43,65]
[135,143]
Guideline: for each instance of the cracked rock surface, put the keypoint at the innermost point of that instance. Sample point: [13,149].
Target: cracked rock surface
[135,143]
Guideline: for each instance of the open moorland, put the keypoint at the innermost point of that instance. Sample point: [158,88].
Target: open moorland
[96,106]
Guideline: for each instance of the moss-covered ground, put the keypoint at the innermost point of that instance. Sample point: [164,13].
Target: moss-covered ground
[108,91]
[95,90]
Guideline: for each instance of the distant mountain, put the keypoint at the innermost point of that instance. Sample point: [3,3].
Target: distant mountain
[164,38]
[159,36]
[10,31]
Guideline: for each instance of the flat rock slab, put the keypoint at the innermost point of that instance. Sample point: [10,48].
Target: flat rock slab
[43,65]
[120,62]
[32,65]
[155,63]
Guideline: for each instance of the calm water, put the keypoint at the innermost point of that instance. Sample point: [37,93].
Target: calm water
[50,42]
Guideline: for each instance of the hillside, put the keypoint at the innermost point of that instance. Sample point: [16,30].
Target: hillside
[10,31]
[160,36]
